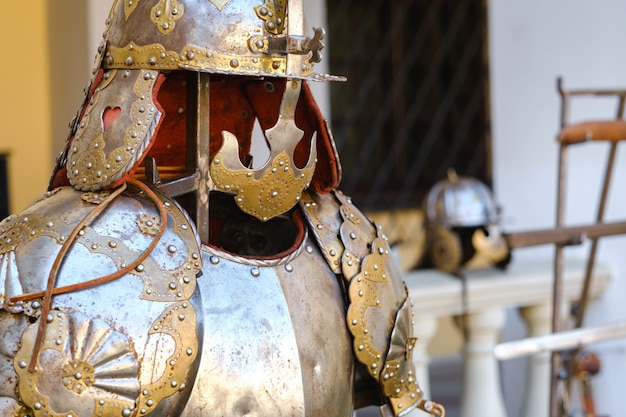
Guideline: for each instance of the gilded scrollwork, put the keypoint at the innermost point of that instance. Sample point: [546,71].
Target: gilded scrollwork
[126,128]
[274,14]
[73,341]
[165,14]
[263,193]
[179,322]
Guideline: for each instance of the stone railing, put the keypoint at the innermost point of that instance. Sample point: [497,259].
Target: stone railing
[490,293]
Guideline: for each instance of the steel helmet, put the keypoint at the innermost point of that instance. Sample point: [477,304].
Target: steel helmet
[163,88]
[249,37]
[463,228]
[461,202]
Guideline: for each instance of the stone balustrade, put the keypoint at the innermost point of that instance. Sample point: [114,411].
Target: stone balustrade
[527,286]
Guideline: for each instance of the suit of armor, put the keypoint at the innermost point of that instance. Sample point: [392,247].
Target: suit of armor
[162,274]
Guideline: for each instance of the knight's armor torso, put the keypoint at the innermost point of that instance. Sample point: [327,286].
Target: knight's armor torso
[196,327]
[163,275]
[274,332]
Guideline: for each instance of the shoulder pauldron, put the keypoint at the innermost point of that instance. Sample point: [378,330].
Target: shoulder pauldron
[379,314]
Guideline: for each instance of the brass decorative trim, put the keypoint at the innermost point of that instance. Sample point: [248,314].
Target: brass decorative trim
[275,192]
[274,14]
[133,56]
[94,162]
[165,14]
[219,3]
[179,322]
[64,330]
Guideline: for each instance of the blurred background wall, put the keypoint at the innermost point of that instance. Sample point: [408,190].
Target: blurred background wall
[531,43]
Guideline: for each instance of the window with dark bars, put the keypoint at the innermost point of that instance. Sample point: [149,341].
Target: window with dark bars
[416,102]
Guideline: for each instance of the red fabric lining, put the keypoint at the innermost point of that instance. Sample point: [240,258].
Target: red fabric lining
[111,114]
[235,103]
[308,118]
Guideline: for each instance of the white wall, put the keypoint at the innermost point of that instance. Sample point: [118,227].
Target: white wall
[533,42]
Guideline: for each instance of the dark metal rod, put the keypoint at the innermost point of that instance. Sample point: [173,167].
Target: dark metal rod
[558,278]
[584,296]
[571,235]
[582,303]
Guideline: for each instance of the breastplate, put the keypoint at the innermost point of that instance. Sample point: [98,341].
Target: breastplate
[274,333]
[121,347]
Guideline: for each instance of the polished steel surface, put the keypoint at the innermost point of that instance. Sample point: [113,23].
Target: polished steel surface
[460,202]
[274,337]
[109,348]
[462,226]
[254,37]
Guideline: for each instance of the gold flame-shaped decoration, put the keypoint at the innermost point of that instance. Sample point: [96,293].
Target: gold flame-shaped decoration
[277,186]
